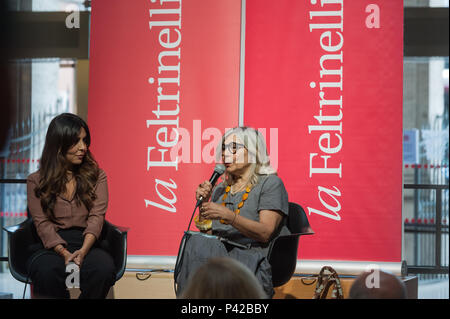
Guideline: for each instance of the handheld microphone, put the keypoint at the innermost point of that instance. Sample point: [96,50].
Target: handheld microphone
[219,169]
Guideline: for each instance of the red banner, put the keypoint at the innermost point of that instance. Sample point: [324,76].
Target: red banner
[323,79]
[328,75]
[160,76]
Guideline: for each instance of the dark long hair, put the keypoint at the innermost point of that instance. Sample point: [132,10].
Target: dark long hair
[62,134]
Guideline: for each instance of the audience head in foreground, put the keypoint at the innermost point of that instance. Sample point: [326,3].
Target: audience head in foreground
[377,285]
[223,278]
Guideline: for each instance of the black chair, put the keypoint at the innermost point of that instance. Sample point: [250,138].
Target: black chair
[23,241]
[282,254]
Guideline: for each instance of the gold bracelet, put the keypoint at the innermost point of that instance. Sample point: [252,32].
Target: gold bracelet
[59,251]
[204,225]
[235,216]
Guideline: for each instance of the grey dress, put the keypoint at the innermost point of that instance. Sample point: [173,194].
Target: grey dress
[269,194]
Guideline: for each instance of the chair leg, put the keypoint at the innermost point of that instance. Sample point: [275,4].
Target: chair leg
[110,294]
[74,293]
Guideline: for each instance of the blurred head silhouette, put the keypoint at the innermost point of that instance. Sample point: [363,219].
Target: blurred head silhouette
[377,285]
[223,278]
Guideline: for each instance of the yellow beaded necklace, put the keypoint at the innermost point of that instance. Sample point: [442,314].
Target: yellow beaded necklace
[241,204]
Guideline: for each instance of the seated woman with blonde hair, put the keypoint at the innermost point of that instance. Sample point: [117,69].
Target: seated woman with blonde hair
[249,208]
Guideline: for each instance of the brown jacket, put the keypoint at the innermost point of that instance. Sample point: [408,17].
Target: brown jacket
[67,213]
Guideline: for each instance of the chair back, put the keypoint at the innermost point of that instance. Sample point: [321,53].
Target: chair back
[23,241]
[297,220]
[283,250]
[114,240]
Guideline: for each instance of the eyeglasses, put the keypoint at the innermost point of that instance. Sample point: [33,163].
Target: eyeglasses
[232,147]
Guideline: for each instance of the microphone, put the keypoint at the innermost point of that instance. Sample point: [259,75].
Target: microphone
[219,169]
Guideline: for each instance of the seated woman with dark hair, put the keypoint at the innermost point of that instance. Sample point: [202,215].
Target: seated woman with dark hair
[249,207]
[67,199]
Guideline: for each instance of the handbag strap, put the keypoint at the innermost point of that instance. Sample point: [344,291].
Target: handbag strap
[328,277]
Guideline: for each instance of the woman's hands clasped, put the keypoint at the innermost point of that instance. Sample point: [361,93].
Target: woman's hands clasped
[77,256]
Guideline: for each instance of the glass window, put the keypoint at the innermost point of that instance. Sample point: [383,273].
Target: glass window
[43,88]
[48,5]
[426,155]
[426,3]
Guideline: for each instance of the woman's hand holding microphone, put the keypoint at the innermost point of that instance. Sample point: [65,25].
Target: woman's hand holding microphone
[210,210]
[203,191]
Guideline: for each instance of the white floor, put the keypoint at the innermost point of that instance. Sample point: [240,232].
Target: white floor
[433,289]
[10,285]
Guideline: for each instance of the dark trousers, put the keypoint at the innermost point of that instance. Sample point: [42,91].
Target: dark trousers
[48,271]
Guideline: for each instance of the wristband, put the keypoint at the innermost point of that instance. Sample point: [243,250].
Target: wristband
[235,216]
[60,251]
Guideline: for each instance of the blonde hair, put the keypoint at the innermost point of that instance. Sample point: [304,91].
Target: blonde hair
[256,146]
